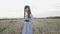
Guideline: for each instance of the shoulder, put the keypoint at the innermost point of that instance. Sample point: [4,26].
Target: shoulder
[31,15]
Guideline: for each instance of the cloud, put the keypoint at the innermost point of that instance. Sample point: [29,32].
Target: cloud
[39,8]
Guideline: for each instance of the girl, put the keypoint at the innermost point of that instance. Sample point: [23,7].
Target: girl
[27,28]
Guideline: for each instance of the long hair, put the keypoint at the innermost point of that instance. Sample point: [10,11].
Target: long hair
[28,12]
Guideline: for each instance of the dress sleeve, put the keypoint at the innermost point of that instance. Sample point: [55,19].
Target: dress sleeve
[31,16]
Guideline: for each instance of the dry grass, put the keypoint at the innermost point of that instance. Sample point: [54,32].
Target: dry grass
[45,26]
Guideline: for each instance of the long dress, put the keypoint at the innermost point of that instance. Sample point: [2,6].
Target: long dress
[27,29]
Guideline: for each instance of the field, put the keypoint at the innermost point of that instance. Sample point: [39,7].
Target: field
[15,26]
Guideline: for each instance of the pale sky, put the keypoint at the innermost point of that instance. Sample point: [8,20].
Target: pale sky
[39,8]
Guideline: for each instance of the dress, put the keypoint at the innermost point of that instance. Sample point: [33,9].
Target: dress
[27,29]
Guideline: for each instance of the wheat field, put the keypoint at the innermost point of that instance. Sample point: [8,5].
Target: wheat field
[15,26]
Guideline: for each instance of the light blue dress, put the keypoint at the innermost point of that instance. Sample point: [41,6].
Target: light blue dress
[27,29]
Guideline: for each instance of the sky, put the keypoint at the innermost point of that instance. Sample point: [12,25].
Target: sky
[39,8]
